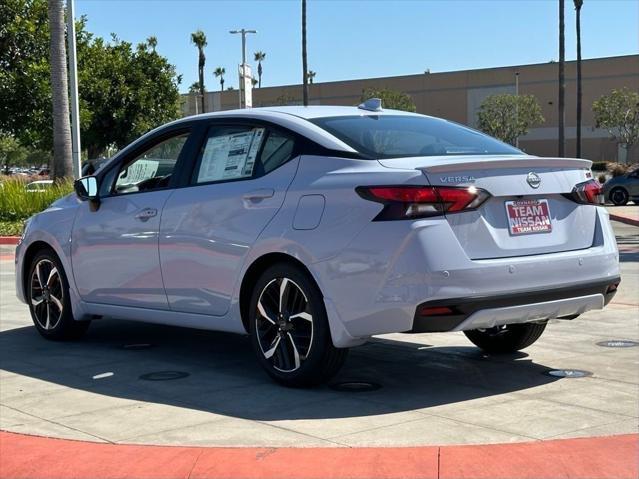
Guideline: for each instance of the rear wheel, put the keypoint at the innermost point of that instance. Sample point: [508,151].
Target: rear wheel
[507,338]
[619,196]
[48,298]
[289,328]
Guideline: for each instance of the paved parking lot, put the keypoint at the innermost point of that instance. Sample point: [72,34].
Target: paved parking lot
[435,388]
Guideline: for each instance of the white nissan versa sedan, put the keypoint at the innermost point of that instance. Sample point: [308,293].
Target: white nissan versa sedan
[314,228]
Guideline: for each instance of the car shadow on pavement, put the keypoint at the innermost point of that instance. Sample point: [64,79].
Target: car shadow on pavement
[224,377]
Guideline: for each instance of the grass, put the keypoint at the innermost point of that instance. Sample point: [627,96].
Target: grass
[17,204]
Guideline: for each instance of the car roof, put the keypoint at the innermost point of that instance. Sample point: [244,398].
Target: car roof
[296,118]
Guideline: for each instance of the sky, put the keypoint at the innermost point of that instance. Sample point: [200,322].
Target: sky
[363,39]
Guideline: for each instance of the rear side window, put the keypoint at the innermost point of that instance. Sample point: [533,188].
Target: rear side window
[395,136]
[241,152]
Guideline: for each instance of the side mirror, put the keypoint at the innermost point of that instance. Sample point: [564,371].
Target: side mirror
[86,188]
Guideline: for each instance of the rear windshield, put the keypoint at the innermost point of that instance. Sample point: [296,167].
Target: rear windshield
[396,136]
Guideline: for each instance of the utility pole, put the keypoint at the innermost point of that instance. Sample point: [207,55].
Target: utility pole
[243,31]
[73,86]
[517,105]
[562,81]
[304,57]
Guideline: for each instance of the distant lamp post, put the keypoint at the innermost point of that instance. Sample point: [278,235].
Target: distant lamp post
[243,32]
[517,105]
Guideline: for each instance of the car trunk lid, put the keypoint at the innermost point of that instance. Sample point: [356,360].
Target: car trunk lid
[527,212]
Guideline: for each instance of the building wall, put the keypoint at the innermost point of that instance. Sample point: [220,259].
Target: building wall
[457,96]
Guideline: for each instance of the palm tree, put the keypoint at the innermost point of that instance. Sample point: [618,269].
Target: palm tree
[152,41]
[562,79]
[304,57]
[62,161]
[578,5]
[199,40]
[311,76]
[219,73]
[259,58]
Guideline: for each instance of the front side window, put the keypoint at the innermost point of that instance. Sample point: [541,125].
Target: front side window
[151,169]
[396,136]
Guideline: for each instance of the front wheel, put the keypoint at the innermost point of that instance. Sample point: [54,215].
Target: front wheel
[289,328]
[507,338]
[48,299]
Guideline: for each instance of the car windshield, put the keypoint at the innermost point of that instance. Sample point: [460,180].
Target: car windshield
[396,136]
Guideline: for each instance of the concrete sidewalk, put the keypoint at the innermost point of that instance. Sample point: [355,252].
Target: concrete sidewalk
[624,214]
[437,389]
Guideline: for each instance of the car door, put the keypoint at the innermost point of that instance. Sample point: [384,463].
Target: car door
[115,247]
[238,184]
[633,183]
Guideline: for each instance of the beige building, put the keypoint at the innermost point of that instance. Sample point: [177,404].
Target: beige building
[458,95]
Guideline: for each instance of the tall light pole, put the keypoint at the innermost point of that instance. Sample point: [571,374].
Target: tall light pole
[517,105]
[73,87]
[243,31]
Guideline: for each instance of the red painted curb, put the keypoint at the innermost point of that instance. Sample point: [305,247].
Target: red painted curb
[33,457]
[624,219]
[9,239]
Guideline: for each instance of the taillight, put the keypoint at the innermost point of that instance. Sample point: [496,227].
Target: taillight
[410,202]
[588,193]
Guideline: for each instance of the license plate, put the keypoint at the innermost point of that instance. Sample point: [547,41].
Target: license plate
[528,217]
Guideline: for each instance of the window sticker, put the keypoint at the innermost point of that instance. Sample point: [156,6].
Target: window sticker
[229,157]
[140,170]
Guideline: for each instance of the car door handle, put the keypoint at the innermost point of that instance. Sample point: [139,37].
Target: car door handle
[260,194]
[146,214]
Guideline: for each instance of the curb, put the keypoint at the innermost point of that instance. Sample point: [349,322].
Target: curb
[36,457]
[10,240]
[624,219]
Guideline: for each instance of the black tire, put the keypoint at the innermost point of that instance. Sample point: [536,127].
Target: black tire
[619,196]
[304,354]
[506,339]
[49,301]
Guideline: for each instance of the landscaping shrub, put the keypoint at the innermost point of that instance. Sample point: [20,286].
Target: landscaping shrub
[599,166]
[617,169]
[17,204]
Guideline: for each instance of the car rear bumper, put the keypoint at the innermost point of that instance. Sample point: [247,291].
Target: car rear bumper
[488,311]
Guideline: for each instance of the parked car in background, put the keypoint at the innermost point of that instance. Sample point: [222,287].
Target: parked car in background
[621,189]
[40,185]
[313,228]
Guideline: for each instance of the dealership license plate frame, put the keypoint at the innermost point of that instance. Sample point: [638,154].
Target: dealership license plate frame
[516,230]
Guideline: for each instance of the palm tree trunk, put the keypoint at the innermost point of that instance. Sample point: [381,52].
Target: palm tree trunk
[578,82]
[201,78]
[562,80]
[62,161]
[304,57]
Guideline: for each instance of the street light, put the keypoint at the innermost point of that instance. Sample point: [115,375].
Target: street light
[73,86]
[243,31]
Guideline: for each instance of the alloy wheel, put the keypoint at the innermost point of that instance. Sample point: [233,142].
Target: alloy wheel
[284,324]
[46,294]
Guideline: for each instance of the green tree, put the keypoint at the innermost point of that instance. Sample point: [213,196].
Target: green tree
[219,73]
[25,85]
[508,116]
[259,58]
[395,100]
[199,40]
[11,152]
[618,112]
[152,42]
[125,92]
